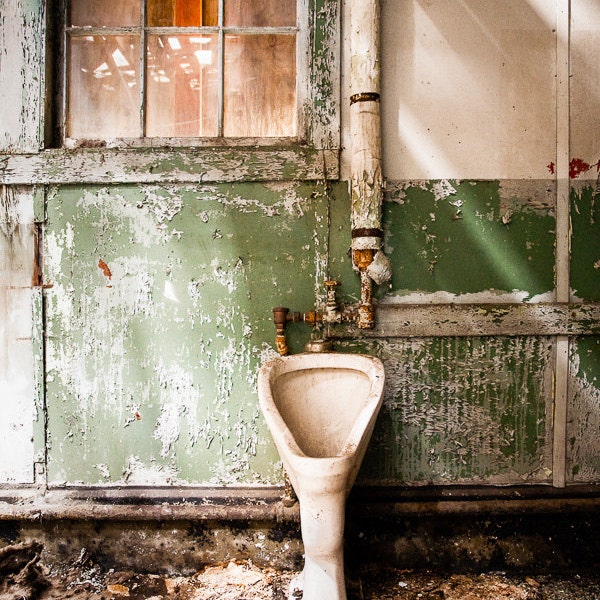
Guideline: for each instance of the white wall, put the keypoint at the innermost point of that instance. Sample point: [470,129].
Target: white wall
[469,87]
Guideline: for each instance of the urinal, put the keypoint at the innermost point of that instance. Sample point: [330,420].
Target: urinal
[321,409]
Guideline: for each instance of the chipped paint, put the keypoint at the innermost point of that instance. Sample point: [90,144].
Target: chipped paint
[583,441]
[17,368]
[456,411]
[179,334]
[21,84]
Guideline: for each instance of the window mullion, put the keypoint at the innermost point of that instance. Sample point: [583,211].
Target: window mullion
[143,65]
[221,62]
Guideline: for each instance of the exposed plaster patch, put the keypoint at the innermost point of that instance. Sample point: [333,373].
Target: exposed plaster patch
[461,410]
[441,189]
[583,449]
[522,194]
[146,221]
[137,472]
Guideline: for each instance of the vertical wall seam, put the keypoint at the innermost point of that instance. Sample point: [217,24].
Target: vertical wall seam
[563,18]
[40,342]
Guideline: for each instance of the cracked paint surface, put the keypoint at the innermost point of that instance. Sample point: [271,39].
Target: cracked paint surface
[151,378]
[462,410]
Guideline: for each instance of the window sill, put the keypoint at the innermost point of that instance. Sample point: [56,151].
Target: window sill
[220,164]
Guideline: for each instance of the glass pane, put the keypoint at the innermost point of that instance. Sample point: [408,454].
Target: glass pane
[260,85]
[260,13]
[103,95]
[105,13]
[183,86]
[182,13]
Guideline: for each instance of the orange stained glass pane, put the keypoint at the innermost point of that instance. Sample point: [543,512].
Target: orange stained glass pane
[103,91]
[182,13]
[104,13]
[260,13]
[260,86]
[183,86]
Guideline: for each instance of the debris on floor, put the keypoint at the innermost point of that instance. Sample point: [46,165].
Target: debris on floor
[23,576]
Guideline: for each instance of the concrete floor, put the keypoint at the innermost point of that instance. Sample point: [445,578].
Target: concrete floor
[24,577]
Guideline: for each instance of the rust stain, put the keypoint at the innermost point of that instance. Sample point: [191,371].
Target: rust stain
[105,271]
[37,278]
[137,415]
[551,168]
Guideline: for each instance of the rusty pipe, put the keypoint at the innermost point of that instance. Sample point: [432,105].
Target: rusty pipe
[282,316]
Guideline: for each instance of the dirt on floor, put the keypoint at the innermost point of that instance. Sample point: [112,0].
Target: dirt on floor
[23,576]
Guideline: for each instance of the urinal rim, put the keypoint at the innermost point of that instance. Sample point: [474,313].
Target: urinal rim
[364,422]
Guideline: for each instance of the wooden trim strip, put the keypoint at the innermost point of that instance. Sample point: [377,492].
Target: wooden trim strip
[161,165]
[471,320]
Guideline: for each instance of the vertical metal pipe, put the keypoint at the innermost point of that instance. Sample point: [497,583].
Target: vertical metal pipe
[366,179]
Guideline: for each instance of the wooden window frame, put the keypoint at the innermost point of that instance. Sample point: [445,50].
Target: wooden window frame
[41,159]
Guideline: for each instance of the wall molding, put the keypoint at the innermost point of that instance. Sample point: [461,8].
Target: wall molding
[473,320]
[226,164]
[264,504]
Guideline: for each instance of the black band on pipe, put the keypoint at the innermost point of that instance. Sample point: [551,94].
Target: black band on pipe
[366,232]
[364,97]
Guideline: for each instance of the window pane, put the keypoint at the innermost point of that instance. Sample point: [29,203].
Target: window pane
[260,13]
[103,95]
[260,85]
[182,13]
[105,13]
[183,91]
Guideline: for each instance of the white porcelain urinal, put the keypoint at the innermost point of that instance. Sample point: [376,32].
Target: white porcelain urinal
[321,409]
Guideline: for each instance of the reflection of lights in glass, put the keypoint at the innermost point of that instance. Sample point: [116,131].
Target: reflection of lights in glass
[204,56]
[174,43]
[88,38]
[129,72]
[200,40]
[102,71]
[160,76]
[119,59]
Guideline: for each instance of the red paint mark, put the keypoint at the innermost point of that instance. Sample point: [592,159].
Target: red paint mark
[137,415]
[551,168]
[104,268]
[105,271]
[577,167]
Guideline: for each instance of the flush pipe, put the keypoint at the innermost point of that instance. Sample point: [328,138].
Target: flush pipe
[366,185]
[366,179]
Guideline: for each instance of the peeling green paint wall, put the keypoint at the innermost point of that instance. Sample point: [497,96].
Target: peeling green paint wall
[159,315]
[157,311]
[470,236]
[583,432]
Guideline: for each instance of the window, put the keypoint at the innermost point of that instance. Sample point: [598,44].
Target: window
[184,69]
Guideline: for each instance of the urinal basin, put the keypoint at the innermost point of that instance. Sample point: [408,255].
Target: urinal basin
[321,405]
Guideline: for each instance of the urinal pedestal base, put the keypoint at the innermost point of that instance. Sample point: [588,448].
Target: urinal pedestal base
[322,525]
[318,581]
